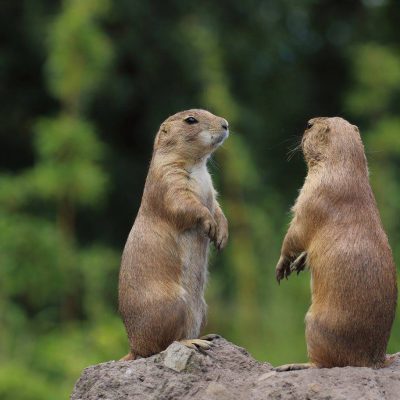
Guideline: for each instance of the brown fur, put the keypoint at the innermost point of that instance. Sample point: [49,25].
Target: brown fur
[337,223]
[164,263]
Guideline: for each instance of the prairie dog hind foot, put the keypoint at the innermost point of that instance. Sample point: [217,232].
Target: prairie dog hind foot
[129,357]
[294,367]
[389,360]
[210,336]
[197,344]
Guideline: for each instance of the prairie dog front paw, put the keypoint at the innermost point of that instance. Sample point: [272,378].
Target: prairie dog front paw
[282,269]
[222,232]
[209,227]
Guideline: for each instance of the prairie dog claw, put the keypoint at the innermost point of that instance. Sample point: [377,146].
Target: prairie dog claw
[299,263]
[197,344]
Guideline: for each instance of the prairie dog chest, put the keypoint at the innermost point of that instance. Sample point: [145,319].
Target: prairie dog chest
[201,183]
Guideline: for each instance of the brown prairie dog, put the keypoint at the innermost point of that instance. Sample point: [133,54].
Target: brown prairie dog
[337,231]
[164,264]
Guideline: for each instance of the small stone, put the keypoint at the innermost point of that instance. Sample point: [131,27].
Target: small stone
[266,376]
[217,391]
[128,372]
[314,387]
[177,356]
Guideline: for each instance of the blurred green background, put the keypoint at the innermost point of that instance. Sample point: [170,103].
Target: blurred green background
[84,87]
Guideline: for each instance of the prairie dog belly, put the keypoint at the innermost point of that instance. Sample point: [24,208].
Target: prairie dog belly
[194,245]
[194,277]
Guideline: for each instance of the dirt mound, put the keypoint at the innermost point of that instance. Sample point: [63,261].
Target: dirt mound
[229,372]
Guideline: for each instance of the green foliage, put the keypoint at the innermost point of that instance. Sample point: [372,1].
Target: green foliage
[79,52]
[68,155]
[77,126]
[377,79]
[50,280]
[69,152]
[34,386]
[32,270]
[385,137]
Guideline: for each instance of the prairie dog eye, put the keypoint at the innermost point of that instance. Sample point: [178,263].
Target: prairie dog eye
[309,125]
[191,120]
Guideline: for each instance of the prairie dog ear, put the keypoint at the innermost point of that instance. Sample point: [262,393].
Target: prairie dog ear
[356,128]
[323,134]
[160,134]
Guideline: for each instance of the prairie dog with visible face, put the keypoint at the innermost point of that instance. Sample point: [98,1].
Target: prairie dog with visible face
[337,231]
[164,264]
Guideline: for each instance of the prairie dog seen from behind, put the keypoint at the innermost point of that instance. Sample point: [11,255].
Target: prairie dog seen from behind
[164,263]
[337,231]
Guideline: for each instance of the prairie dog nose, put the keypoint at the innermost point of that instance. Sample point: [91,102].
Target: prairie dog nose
[225,124]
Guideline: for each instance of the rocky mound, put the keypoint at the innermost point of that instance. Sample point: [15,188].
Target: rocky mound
[229,372]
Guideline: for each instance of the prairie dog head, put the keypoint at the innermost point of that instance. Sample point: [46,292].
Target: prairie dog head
[332,141]
[191,134]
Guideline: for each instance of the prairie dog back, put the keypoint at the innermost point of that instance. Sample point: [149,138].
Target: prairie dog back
[336,230]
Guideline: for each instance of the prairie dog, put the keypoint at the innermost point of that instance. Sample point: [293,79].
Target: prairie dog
[164,264]
[337,231]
